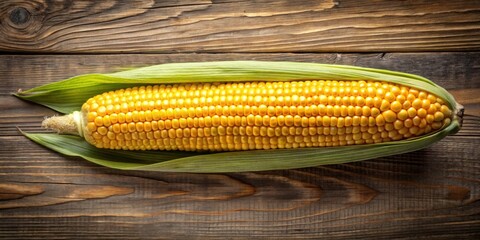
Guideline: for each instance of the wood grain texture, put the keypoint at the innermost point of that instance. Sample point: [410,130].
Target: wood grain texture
[120,26]
[432,193]
[423,194]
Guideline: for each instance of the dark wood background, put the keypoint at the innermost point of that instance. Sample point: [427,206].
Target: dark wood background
[432,193]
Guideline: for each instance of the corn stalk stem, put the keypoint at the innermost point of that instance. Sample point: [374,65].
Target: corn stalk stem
[66,124]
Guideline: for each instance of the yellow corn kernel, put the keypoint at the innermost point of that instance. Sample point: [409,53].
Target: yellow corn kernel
[385,105]
[389,116]
[396,106]
[422,113]
[402,115]
[417,103]
[91,127]
[438,116]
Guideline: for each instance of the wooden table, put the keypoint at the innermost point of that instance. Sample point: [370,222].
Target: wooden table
[432,193]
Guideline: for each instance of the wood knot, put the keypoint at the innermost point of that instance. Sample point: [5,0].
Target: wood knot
[20,16]
[21,21]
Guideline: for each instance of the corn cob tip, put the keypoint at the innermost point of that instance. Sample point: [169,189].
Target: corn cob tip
[459,111]
[66,124]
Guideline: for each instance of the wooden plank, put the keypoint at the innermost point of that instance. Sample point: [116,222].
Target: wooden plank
[239,26]
[432,193]
[451,70]
[427,194]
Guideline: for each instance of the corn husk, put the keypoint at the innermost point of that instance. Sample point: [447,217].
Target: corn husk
[68,95]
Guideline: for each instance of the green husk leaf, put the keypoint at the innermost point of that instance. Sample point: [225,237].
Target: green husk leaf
[68,96]
[240,161]
[77,146]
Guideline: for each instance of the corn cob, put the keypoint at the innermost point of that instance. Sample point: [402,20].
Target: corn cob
[255,115]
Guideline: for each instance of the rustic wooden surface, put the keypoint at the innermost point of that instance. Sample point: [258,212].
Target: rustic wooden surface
[226,25]
[432,193]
